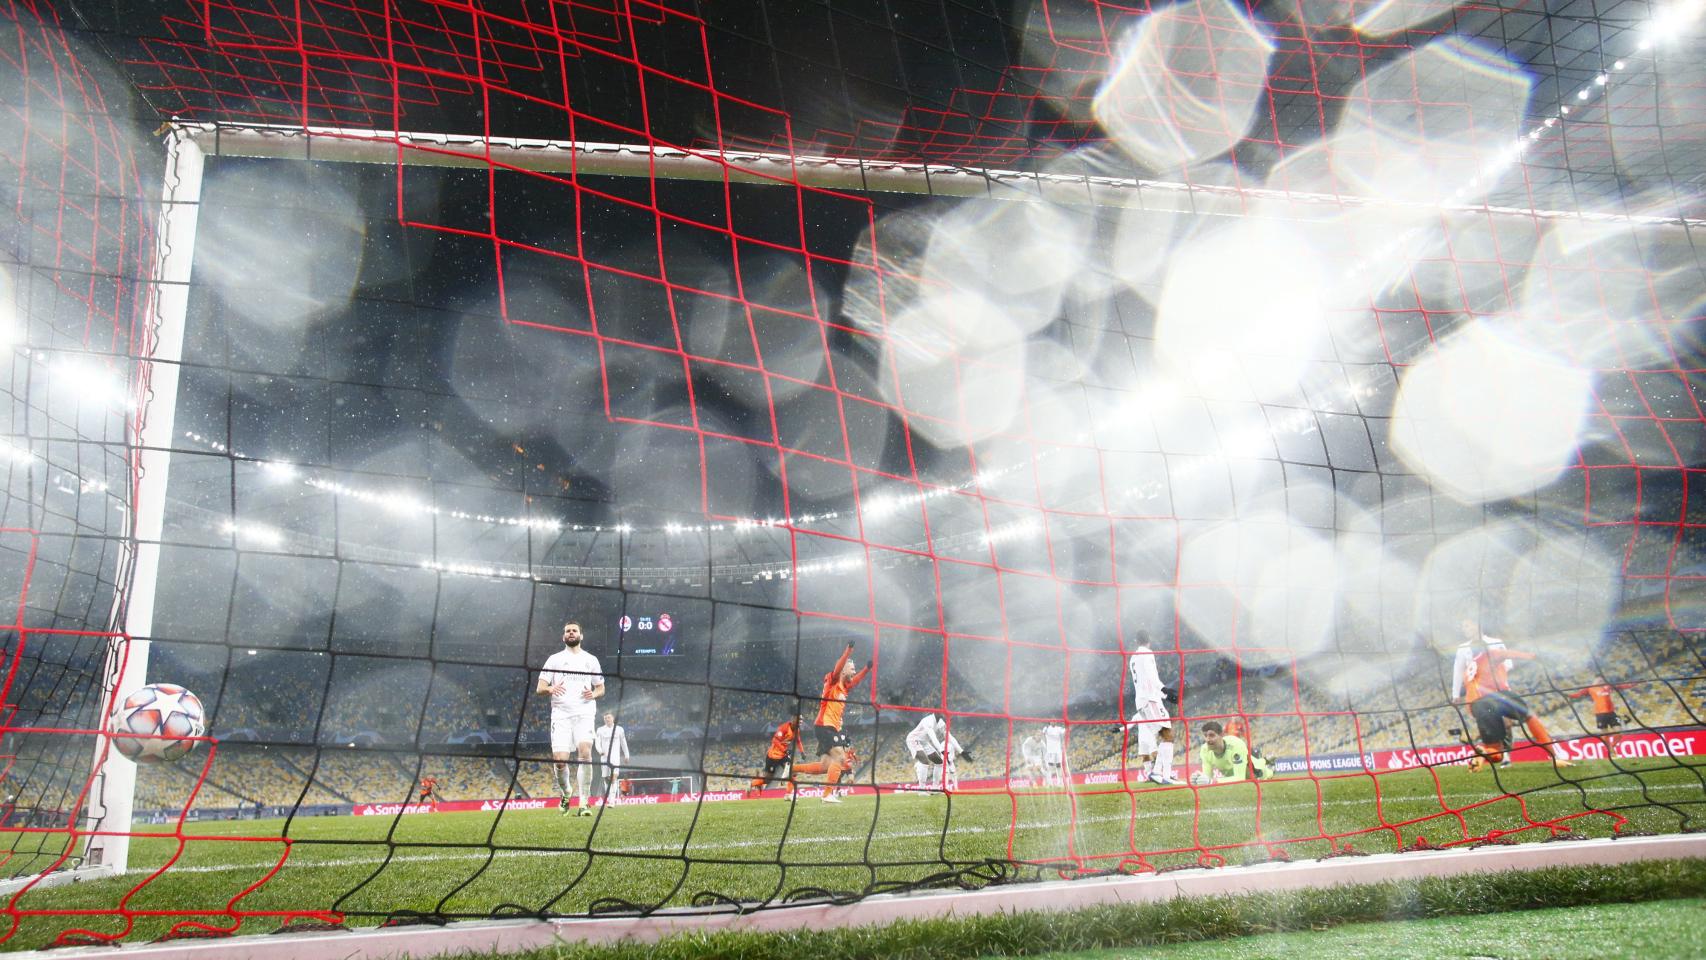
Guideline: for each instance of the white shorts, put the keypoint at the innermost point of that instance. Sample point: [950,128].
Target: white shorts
[1052,760]
[568,733]
[915,747]
[1151,718]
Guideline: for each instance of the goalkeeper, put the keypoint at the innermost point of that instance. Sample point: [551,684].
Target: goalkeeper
[1228,759]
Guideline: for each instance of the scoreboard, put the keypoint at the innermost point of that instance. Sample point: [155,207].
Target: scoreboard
[647,633]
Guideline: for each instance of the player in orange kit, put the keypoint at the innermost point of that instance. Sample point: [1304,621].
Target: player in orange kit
[1495,708]
[831,742]
[1605,712]
[780,757]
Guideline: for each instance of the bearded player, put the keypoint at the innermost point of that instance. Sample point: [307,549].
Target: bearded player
[573,679]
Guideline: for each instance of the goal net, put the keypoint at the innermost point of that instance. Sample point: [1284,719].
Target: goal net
[1171,401]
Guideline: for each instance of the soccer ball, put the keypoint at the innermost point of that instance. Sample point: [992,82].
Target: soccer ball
[158,722]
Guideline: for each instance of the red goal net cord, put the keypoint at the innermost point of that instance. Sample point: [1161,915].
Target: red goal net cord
[1392,332]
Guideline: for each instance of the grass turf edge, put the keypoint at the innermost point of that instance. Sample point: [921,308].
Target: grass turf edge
[1185,919]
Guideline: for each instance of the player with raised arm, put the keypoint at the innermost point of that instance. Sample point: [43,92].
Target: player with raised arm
[611,742]
[1228,759]
[925,745]
[1153,726]
[1487,689]
[832,706]
[1606,720]
[573,679]
[779,758]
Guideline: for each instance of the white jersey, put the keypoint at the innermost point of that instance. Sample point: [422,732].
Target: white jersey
[1031,750]
[578,672]
[1463,660]
[1054,743]
[1145,678]
[923,737]
[611,744]
[952,749]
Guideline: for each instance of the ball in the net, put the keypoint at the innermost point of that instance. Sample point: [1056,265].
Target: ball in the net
[158,722]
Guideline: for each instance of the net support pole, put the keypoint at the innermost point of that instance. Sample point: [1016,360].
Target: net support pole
[112,799]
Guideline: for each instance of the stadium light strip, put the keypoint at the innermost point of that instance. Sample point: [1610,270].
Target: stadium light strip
[468,151]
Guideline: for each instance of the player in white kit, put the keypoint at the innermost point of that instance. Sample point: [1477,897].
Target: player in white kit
[1153,727]
[924,743]
[573,679]
[1054,756]
[1031,757]
[951,754]
[611,741]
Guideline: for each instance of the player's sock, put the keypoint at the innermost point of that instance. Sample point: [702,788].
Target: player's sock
[1164,760]
[1542,737]
[835,772]
[816,766]
[583,780]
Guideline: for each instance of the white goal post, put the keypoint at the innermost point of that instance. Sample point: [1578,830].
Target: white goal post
[112,792]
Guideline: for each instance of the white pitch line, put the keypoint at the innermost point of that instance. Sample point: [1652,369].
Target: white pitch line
[796,841]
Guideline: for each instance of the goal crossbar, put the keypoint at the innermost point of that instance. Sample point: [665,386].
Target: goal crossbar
[473,151]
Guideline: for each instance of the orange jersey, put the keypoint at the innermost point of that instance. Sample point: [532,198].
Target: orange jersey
[835,693]
[1601,694]
[783,741]
[1487,674]
[427,784]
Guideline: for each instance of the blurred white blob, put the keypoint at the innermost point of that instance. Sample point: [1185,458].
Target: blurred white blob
[1484,418]
[13,322]
[885,270]
[294,258]
[1390,16]
[1241,309]
[1261,588]
[1147,236]
[1472,262]
[1437,126]
[1186,85]
[720,326]
[958,299]
[1063,50]
[1656,109]
[1610,294]
[1020,257]
[1530,582]
[523,380]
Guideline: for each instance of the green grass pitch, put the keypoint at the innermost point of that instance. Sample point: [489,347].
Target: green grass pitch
[541,862]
